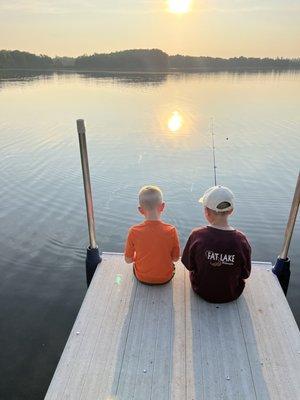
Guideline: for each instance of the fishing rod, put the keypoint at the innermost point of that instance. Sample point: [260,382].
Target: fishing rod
[213,149]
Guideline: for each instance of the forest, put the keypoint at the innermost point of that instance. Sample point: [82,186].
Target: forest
[143,60]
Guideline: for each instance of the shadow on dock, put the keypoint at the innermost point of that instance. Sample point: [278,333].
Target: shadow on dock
[145,354]
[226,360]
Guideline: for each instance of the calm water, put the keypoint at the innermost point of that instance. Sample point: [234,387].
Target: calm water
[141,129]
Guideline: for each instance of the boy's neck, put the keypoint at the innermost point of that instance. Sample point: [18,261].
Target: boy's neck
[152,216]
[222,228]
[220,222]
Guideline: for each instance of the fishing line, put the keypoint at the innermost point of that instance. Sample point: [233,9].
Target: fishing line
[213,149]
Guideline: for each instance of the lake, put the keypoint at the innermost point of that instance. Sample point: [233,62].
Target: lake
[141,129]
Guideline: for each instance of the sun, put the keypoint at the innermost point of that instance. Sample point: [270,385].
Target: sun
[179,6]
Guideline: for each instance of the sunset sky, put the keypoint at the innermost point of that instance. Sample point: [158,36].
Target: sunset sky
[222,28]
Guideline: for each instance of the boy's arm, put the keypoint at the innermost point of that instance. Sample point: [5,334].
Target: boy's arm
[175,254]
[187,257]
[246,268]
[129,248]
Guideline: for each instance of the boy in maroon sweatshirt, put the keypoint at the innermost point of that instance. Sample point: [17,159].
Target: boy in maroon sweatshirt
[217,255]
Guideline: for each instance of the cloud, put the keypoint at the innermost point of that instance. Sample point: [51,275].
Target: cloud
[80,6]
[248,6]
[53,7]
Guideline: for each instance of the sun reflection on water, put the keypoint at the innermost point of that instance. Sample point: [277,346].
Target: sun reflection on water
[175,121]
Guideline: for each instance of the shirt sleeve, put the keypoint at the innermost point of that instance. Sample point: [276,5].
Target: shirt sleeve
[129,246]
[175,254]
[187,257]
[246,267]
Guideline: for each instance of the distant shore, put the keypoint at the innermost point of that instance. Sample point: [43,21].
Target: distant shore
[143,61]
[145,73]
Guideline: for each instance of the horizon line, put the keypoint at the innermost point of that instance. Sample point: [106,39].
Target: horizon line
[151,48]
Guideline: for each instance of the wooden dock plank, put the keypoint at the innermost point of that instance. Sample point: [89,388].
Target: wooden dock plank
[150,334]
[104,362]
[131,353]
[178,381]
[132,341]
[164,350]
[217,371]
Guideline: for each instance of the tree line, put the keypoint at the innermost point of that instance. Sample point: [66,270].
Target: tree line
[142,60]
[128,60]
[189,63]
[23,59]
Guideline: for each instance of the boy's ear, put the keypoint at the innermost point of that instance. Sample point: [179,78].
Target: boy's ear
[162,206]
[141,210]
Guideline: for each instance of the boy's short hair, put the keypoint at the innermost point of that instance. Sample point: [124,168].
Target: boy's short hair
[220,212]
[150,197]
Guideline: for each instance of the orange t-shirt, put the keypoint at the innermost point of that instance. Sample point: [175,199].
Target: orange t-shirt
[153,245]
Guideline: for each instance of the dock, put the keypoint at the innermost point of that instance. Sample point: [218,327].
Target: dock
[132,341]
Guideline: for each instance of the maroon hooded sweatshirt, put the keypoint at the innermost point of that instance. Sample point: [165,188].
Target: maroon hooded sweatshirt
[219,261]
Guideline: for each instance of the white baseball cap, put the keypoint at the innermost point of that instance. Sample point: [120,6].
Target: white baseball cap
[218,198]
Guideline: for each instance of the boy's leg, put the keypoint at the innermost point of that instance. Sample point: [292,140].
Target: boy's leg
[144,283]
[153,284]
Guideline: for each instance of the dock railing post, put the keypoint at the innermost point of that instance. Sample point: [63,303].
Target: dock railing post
[282,266]
[92,256]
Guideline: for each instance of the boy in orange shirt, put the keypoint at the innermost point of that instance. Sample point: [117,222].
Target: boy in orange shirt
[152,245]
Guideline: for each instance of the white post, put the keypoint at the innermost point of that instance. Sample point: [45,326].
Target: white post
[87,183]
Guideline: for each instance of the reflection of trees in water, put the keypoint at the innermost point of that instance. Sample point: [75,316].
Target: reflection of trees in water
[128,78]
[143,79]
[183,75]
[26,76]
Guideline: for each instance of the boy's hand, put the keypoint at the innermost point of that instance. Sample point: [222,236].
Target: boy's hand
[129,260]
